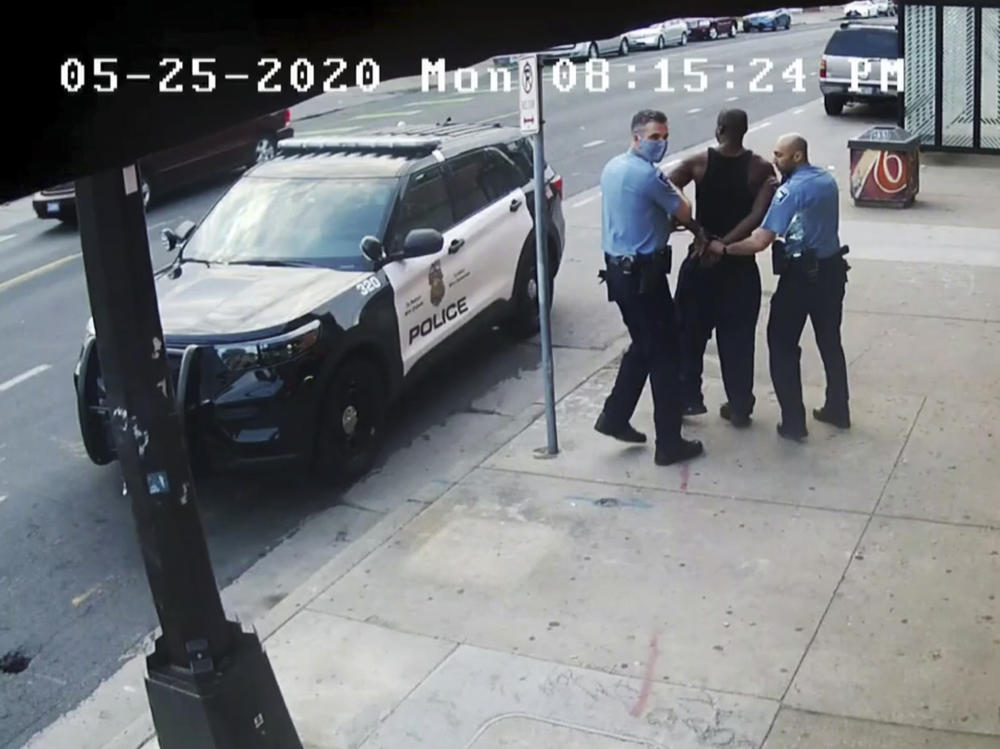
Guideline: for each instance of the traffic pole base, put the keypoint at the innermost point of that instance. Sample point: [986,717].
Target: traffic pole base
[234,704]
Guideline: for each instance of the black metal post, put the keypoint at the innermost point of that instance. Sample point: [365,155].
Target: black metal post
[209,683]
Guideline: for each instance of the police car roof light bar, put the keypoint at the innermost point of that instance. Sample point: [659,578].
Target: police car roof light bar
[369,143]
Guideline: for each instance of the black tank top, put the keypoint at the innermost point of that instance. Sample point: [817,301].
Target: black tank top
[723,194]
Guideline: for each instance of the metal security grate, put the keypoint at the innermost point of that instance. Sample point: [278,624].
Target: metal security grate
[919,71]
[958,79]
[990,124]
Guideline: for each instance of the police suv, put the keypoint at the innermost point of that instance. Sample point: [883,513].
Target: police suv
[325,279]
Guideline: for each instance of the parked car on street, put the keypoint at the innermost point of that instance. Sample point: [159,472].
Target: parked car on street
[871,45]
[327,278]
[659,35]
[711,28]
[613,45]
[237,147]
[768,20]
[861,9]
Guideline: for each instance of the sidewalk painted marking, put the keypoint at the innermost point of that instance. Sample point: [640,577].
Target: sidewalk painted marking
[761,126]
[694,111]
[584,201]
[37,271]
[5,237]
[647,677]
[22,377]
[732,98]
[592,144]
[377,115]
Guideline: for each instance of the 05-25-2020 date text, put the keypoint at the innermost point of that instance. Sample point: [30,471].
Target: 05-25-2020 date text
[670,74]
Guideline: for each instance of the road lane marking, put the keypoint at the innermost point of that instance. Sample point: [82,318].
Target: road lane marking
[5,237]
[592,144]
[3,498]
[37,271]
[158,225]
[797,111]
[761,126]
[331,130]
[434,102]
[377,115]
[584,201]
[694,111]
[732,98]
[84,596]
[14,381]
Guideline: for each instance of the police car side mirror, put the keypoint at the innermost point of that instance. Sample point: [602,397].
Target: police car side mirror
[173,238]
[372,249]
[422,242]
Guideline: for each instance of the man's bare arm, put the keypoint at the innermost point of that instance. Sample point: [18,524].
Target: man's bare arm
[753,219]
[684,173]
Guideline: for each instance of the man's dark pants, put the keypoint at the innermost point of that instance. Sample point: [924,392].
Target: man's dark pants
[653,353]
[821,300]
[725,298]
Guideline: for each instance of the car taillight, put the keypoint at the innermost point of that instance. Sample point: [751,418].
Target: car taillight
[557,185]
[288,116]
[822,68]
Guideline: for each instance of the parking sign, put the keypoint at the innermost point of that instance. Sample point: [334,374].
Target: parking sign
[529,85]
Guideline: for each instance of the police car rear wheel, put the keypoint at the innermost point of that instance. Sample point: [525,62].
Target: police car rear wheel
[524,315]
[353,414]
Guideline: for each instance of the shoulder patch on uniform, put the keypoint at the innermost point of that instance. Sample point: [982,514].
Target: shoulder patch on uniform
[664,178]
[781,194]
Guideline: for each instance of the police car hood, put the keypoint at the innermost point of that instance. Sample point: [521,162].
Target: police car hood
[224,300]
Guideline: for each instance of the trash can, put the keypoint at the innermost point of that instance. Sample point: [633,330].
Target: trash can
[885,167]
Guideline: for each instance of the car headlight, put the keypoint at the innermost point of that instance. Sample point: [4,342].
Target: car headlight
[269,352]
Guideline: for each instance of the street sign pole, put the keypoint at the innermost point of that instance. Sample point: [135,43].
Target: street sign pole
[530,96]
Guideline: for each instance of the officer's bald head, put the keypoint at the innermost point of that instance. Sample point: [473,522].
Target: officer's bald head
[731,126]
[790,152]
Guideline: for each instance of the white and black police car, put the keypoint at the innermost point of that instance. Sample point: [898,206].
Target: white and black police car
[325,279]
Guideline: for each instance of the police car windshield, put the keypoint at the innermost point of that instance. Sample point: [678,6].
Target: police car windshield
[294,221]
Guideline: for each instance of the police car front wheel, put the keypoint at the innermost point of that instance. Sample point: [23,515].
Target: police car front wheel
[350,434]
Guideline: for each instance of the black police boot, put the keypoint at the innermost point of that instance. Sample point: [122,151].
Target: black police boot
[683,450]
[738,420]
[694,408]
[821,414]
[796,435]
[625,433]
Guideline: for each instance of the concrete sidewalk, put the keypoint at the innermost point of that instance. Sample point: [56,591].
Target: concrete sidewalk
[769,595]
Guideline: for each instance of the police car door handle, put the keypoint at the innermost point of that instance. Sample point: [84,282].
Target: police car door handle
[515,204]
[455,246]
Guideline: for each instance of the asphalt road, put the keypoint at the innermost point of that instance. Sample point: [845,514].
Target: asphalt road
[73,594]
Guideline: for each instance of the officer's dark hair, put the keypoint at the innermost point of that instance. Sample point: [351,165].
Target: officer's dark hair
[734,123]
[645,116]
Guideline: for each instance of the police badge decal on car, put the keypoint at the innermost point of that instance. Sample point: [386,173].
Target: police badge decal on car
[435,277]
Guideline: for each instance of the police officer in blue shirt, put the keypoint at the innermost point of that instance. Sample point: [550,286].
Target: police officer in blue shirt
[639,207]
[812,278]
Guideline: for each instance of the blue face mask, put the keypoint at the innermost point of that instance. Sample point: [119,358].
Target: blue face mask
[652,150]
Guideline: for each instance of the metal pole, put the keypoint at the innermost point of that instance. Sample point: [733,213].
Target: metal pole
[542,257]
[210,684]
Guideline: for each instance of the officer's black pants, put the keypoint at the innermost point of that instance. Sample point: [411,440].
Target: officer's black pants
[724,298]
[653,353]
[822,302]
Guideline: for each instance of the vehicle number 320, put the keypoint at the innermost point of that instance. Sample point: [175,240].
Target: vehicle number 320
[369,285]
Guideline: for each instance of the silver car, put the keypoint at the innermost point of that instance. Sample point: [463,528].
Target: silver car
[871,47]
[617,44]
[659,35]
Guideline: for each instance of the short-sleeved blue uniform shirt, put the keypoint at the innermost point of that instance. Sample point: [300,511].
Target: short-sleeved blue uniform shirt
[805,210]
[637,203]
